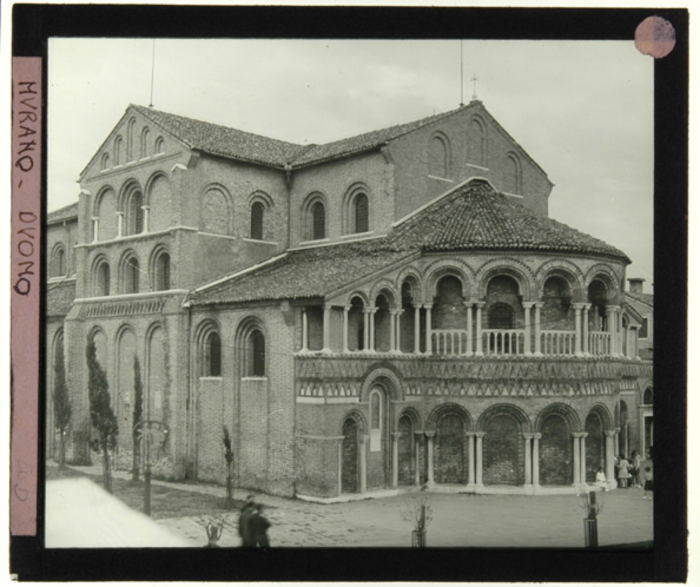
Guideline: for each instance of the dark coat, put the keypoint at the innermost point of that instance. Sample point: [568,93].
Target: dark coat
[244,526]
[258,529]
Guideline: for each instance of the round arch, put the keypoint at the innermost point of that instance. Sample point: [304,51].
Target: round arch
[149,185]
[413,277]
[506,267]
[477,141]
[313,227]
[385,375]
[559,409]
[251,343]
[449,408]
[208,345]
[440,163]
[608,277]
[386,288]
[351,221]
[446,268]
[217,209]
[567,271]
[503,408]
[604,413]
[100,276]
[159,268]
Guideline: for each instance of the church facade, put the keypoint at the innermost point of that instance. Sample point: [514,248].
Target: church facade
[362,317]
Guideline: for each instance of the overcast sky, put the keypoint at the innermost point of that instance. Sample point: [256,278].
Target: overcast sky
[582,110]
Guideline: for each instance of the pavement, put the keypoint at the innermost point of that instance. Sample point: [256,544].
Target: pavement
[458,520]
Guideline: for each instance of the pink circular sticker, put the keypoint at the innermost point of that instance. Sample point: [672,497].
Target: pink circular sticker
[655,36]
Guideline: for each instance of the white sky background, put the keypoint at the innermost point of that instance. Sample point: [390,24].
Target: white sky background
[582,110]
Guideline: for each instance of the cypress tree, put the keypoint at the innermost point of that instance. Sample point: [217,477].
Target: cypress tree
[137,416]
[61,405]
[101,414]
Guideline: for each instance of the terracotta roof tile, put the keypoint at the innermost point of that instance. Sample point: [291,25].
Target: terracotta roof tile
[66,213]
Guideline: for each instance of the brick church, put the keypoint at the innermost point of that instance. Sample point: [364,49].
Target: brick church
[363,316]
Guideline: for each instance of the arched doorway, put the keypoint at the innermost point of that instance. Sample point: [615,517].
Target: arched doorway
[595,446]
[450,450]
[349,474]
[407,454]
[504,452]
[556,451]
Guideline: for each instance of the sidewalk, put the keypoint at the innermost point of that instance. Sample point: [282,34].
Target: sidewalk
[458,520]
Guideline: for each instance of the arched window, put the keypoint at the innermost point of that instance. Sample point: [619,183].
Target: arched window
[58,268]
[216,211]
[476,144]
[211,355]
[376,416]
[102,284]
[648,396]
[159,146]
[361,213]
[257,215]
[162,277]
[104,163]
[144,142]
[438,165]
[131,276]
[118,151]
[501,317]
[318,221]
[134,214]
[256,354]
[130,140]
[512,175]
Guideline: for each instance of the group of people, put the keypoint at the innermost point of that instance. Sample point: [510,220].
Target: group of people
[628,474]
[252,525]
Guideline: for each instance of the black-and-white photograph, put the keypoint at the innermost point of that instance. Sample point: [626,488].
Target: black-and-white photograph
[349,293]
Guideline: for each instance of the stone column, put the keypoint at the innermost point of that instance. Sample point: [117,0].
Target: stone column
[577,341]
[363,463]
[479,459]
[146,216]
[95,228]
[428,329]
[365,332]
[479,342]
[584,329]
[610,315]
[395,459]
[430,435]
[583,457]
[528,327]
[417,440]
[346,310]
[609,455]
[468,305]
[416,329]
[120,224]
[538,320]
[536,459]
[617,441]
[576,436]
[372,312]
[527,436]
[470,481]
[399,313]
[392,330]
[327,328]
[304,331]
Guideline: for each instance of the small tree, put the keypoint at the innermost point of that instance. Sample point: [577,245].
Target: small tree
[228,455]
[101,414]
[137,415]
[61,405]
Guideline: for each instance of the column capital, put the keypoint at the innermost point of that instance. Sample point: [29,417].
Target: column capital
[347,307]
[468,304]
[576,434]
[396,435]
[583,434]
[327,306]
[428,306]
[430,433]
[120,213]
[96,218]
[373,309]
[528,435]
[537,435]
[470,434]
[539,305]
[394,311]
[479,434]
[578,305]
[615,308]
[617,430]
[366,310]
[417,305]
[479,304]
[610,432]
[528,305]
[587,306]
[145,207]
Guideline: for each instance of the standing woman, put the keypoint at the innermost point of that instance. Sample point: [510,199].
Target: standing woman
[624,471]
[636,469]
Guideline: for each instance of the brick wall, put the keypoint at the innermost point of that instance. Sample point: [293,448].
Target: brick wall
[504,452]
[556,452]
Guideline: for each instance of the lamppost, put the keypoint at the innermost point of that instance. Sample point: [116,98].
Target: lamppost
[148,431]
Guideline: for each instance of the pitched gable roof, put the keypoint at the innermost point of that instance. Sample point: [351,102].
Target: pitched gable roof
[66,213]
[641,298]
[473,217]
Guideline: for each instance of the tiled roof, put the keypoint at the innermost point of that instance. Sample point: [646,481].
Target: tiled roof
[476,217]
[300,274]
[59,298]
[221,140]
[238,144]
[647,299]
[364,141]
[65,213]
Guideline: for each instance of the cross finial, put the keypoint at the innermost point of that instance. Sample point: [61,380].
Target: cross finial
[474,79]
